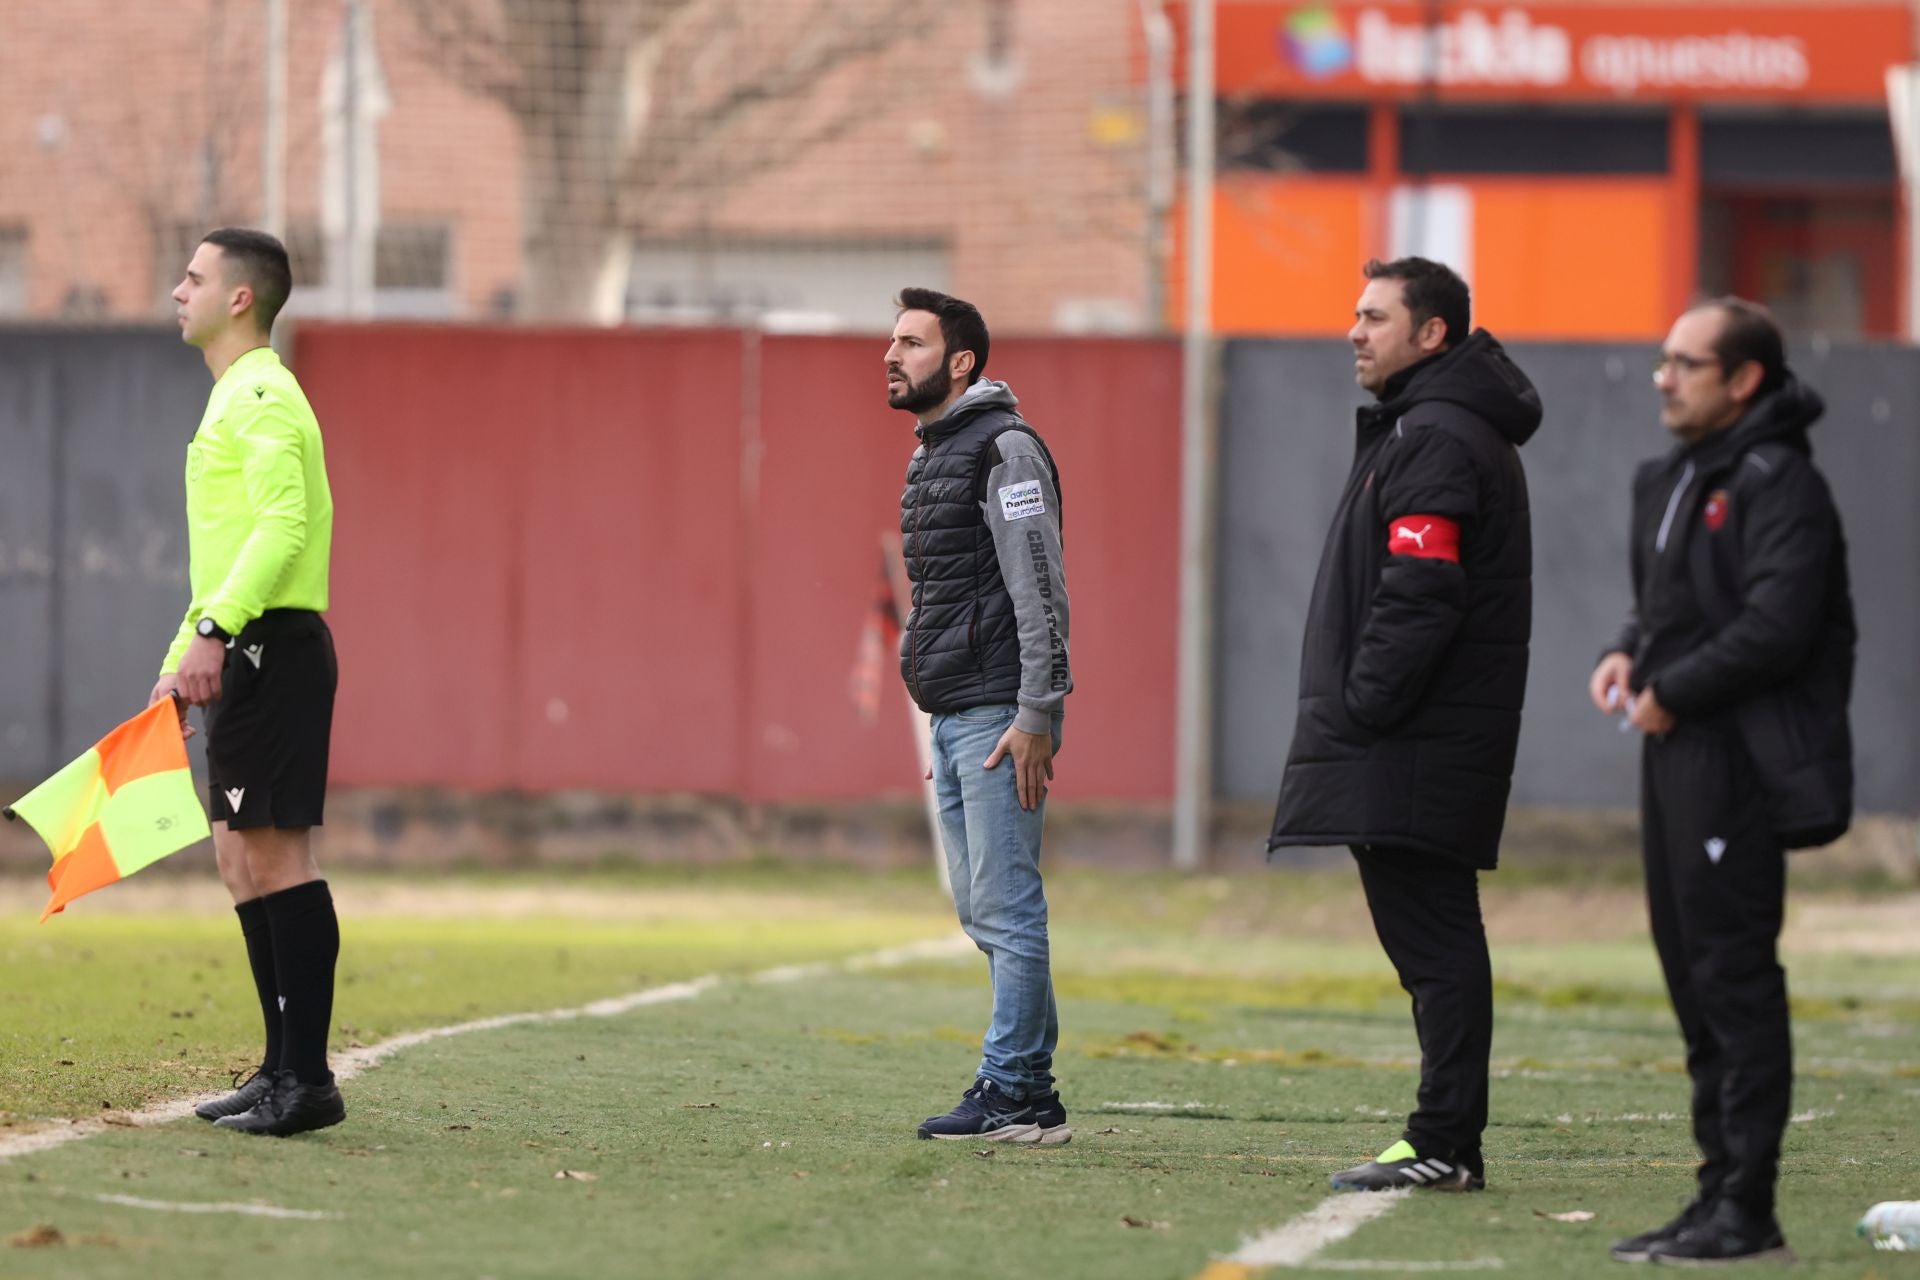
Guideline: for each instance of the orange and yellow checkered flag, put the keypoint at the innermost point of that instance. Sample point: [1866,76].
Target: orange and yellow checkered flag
[127,803]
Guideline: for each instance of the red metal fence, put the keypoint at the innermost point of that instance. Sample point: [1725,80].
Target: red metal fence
[642,560]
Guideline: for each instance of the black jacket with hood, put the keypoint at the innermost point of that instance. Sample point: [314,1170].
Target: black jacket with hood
[1414,666]
[1742,612]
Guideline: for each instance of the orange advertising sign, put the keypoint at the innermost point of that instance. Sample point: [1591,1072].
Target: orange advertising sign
[1825,53]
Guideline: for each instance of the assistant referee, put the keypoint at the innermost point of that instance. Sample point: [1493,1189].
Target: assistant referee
[254,652]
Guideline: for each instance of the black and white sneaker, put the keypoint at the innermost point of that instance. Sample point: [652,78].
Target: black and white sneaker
[1050,1120]
[242,1100]
[1727,1234]
[1638,1248]
[290,1108]
[986,1114]
[1400,1166]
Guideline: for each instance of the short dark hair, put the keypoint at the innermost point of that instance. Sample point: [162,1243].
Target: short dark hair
[1748,331]
[962,327]
[1431,289]
[261,261]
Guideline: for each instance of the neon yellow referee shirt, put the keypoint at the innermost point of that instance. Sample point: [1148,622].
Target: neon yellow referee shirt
[259,513]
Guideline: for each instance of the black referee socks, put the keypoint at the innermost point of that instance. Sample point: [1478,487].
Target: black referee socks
[259,935]
[306,942]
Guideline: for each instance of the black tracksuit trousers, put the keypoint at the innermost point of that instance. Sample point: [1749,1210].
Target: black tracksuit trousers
[1426,909]
[1716,892]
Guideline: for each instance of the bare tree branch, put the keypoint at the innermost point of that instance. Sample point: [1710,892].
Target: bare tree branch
[633,111]
[665,157]
[468,49]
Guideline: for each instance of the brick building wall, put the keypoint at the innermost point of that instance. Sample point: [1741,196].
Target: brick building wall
[1003,138]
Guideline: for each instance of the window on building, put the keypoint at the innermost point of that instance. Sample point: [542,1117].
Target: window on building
[412,268]
[175,240]
[1801,211]
[1781,148]
[1819,262]
[818,286]
[1288,137]
[13,270]
[306,254]
[995,69]
[413,256]
[1447,138]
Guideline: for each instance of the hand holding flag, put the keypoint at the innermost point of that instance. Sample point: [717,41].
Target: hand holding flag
[125,804]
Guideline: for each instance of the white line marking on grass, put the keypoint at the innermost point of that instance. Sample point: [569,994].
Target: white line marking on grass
[1389,1264]
[249,1210]
[1156,1106]
[353,1061]
[1330,1221]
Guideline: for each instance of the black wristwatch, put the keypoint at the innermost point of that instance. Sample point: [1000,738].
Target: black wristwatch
[211,629]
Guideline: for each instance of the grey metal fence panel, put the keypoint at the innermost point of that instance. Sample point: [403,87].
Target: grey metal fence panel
[28,435]
[93,428]
[93,575]
[1287,438]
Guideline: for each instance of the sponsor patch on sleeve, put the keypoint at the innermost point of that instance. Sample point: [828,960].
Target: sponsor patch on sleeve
[1018,501]
[1428,537]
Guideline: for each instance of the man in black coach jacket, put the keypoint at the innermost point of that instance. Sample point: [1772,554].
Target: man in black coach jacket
[1737,664]
[1412,676]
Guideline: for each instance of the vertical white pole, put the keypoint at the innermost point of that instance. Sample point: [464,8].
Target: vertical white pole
[349,276]
[273,157]
[1903,112]
[1157,34]
[1193,746]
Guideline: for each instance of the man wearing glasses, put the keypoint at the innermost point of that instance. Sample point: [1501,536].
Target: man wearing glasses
[1736,664]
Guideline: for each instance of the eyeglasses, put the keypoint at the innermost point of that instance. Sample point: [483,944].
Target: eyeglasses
[1681,364]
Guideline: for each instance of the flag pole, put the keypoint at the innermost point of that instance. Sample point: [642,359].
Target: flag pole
[920,723]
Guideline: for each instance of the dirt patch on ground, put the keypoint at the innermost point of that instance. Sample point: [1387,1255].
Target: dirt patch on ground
[451,900]
[1878,924]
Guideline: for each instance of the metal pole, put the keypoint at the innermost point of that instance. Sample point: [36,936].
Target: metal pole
[1903,112]
[1158,36]
[350,168]
[273,158]
[1193,753]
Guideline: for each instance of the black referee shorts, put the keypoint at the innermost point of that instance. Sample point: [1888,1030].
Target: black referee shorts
[268,732]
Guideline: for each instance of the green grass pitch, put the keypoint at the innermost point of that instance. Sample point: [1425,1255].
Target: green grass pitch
[1227,1042]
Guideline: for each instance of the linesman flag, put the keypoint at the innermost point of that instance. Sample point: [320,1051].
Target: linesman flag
[127,803]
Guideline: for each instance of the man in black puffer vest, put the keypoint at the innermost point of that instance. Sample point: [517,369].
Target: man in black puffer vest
[1736,664]
[984,652]
[1412,675]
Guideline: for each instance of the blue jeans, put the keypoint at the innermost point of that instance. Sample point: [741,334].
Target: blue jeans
[993,859]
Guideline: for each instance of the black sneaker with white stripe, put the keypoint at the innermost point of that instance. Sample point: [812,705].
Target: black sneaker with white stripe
[1400,1166]
[986,1114]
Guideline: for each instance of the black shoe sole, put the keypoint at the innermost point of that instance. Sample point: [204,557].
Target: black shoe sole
[1449,1187]
[286,1127]
[1025,1131]
[1779,1255]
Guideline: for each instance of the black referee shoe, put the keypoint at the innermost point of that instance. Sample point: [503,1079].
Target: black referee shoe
[1639,1248]
[1400,1167]
[1728,1234]
[290,1108]
[241,1100]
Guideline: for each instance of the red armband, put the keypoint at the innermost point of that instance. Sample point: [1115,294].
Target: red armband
[1429,537]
